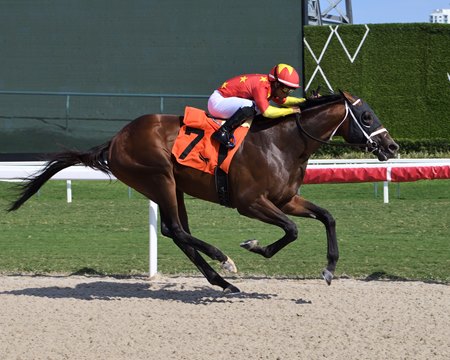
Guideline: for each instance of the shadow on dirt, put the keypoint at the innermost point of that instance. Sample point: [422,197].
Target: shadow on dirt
[110,291]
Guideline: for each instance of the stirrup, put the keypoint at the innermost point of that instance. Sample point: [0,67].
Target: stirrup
[231,143]
[224,137]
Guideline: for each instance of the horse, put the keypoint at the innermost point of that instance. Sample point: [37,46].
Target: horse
[264,177]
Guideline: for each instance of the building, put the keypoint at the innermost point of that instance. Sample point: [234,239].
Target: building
[441,16]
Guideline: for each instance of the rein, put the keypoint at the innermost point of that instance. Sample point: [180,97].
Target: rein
[370,142]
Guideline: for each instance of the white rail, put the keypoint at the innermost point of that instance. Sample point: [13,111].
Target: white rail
[14,171]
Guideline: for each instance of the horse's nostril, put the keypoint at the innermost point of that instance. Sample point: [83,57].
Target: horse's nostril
[393,147]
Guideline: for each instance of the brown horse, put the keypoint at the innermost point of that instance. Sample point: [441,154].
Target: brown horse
[264,177]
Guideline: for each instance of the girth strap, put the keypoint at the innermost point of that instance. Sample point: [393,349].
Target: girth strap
[221,178]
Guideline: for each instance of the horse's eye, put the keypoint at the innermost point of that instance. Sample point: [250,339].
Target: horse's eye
[366,119]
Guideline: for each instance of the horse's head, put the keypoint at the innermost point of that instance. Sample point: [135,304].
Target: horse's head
[362,126]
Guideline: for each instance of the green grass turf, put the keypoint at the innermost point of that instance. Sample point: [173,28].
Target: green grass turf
[105,231]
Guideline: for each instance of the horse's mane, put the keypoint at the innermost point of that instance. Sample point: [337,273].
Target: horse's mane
[325,99]
[308,104]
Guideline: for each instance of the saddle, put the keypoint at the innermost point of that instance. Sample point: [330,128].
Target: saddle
[194,148]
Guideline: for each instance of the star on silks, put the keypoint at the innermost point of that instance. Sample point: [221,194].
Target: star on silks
[263,78]
[224,85]
[243,79]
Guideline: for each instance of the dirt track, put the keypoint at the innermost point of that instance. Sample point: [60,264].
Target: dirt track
[185,318]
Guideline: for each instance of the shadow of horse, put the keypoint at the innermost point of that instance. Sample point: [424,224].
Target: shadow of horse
[110,291]
[384,276]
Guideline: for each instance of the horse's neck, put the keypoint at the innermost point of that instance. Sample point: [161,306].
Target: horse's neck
[322,121]
[286,137]
[319,123]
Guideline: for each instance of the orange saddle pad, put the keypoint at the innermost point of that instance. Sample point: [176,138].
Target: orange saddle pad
[194,147]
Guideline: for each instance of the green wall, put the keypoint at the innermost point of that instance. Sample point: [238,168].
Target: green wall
[132,46]
[401,71]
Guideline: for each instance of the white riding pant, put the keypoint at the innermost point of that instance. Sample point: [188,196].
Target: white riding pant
[224,107]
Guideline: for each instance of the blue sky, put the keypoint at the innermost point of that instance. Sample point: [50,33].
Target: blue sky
[392,11]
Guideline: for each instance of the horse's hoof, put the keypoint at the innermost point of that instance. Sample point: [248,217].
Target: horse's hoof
[231,289]
[327,276]
[228,265]
[249,244]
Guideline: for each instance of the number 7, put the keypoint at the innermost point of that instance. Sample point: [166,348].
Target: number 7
[189,130]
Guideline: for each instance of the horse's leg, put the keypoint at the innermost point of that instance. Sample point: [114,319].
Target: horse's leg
[165,231]
[173,221]
[263,209]
[301,207]
[214,253]
[182,213]
[208,272]
[266,211]
[179,235]
[225,262]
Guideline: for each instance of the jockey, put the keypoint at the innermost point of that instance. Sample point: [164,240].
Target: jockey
[246,95]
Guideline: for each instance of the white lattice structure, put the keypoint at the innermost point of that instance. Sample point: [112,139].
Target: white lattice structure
[318,59]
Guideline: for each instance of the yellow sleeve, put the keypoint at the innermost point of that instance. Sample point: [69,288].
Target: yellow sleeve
[275,112]
[292,101]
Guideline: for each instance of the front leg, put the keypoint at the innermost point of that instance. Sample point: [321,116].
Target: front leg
[303,208]
[263,209]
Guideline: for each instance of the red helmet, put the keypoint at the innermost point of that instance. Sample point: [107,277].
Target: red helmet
[285,74]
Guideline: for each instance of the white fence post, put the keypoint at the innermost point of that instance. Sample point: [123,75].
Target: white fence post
[386,192]
[386,185]
[69,190]
[153,248]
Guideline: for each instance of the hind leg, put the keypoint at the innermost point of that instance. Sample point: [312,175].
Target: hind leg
[182,213]
[227,264]
[214,253]
[161,188]
[208,272]
[140,157]
[174,222]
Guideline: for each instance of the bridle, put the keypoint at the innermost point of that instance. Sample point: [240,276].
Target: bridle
[371,145]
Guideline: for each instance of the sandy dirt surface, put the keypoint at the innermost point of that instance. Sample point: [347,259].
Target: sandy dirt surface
[76,317]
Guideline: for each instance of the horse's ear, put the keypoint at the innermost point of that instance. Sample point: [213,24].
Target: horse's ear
[347,96]
[343,95]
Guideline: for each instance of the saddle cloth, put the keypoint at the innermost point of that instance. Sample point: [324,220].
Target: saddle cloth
[193,146]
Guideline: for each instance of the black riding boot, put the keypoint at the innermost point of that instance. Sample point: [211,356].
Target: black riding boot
[224,134]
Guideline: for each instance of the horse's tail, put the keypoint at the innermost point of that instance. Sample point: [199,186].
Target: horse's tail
[95,158]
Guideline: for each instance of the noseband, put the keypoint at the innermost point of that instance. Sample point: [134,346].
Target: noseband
[371,145]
